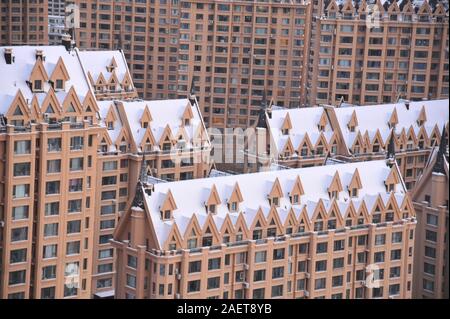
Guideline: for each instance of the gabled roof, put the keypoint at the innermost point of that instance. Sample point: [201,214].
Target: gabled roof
[376,117]
[255,187]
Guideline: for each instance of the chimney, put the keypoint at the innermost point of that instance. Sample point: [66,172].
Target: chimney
[66,41]
[9,57]
[40,55]
[407,105]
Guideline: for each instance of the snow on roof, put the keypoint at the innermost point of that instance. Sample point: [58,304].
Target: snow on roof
[373,117]
[96,63]
[190,196]
[304,121]
[15,76]
[163,113]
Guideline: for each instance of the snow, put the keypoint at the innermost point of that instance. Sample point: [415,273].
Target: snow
[19,72]
[304,122]
[190,196]
[376,117]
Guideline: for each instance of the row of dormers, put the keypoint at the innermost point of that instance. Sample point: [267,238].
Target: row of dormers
[39,76]
[25,111]
[334,189]
[406,8]
[296,221]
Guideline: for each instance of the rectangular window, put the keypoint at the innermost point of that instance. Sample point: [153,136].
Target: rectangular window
[73,248]
[51,230]
[20,212]
[18,256]
[22,169]
[49,272]
[22,147]
[18,234]
[73,226]
[17,277]
[54,144]
[21,191]
[52,187]
[54,166]
[52,209]
[76,164]
[260,256]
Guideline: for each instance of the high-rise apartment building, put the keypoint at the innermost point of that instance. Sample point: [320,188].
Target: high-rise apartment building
[230,51]
[72,141]
[24,22]
[376,51]
[299,233]
[431,264]
[56,21]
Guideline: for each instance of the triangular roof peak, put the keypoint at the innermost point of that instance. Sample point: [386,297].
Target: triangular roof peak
[169,202]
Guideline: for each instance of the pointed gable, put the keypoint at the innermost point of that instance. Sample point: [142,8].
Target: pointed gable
[213,198]
[297,190]
[353,122]
[38,73]
[422,116]
[236,195]
[60,72]
[335,185]
[187,115]
[276,190]
[50,104]
[71,103]
[393,120]
[287,124]
[18,108]
[168,203]
[166,136]
[147,140]
[288,148]
[146,117]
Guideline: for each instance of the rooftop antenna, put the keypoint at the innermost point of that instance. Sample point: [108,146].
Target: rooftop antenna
[391,147]
[439,164]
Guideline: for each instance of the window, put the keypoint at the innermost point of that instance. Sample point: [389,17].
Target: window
[109,166]
[51,230]
[380,239]
[320,283]
[76,143]
[132,261]
[214,263]
[131,281]
[277,272]
[260,256]
[432,220]
[379,257]
[338,263]
[49,272]
[322,248]
[258,293]
[54,166]
[339,245]
[396,254]
[73,226]
[75,185]
[394,289]
[213,283]
[394,272]
[48,293]
[73,248]
[21,191]
[429,268]
[54,144]
[397,237]
[18,234]
[195,266]
[22,169]
[50,251]
[430,252]
[52,209]
[76,164]
[321,265]
[277,291]
[259,275]
[431,235]
[74,205]
[17,277]
[105,253]
[337,281]
[18,256]
[52,187]
[20,212]
[193,286]
[22,147]
[278,254]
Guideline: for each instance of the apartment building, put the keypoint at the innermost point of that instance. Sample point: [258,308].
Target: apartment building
[56,21]
[300,233]
[372,52]
[430,199]
[24,22]
[167,138]
[229,53]
[308,136]
[70,159]
[48,145]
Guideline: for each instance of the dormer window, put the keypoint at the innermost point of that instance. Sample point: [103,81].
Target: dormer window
[166,215]
[295,199]
[351,128]
[144,124]
[110,125]
[37,85]
[420,122]
[353,192]
[321,127]
[390,187]
[59,84]
[234,207]
[187,122]
[274,201]
[212,209]
[319,149]
[167,146]
[285,131]
[333,194]
[376,148]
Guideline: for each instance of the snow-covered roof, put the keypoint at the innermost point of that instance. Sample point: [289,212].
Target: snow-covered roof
[304,122]
[97,62]
[190,196]
[371,118]
[163,113]
[14,76]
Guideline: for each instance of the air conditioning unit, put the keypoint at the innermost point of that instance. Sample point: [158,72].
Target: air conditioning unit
[177,296]
[178,276]
[246,266]
[46,116]
[308,275]
[306,293]
[177,271]
[246,285]
[362,282]
[2,224]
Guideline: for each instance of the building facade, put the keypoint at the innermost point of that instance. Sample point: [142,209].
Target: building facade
[300,233]
[372,52]
[70,159]
[431,265]
[231,51]
[56,21]
[24,22]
